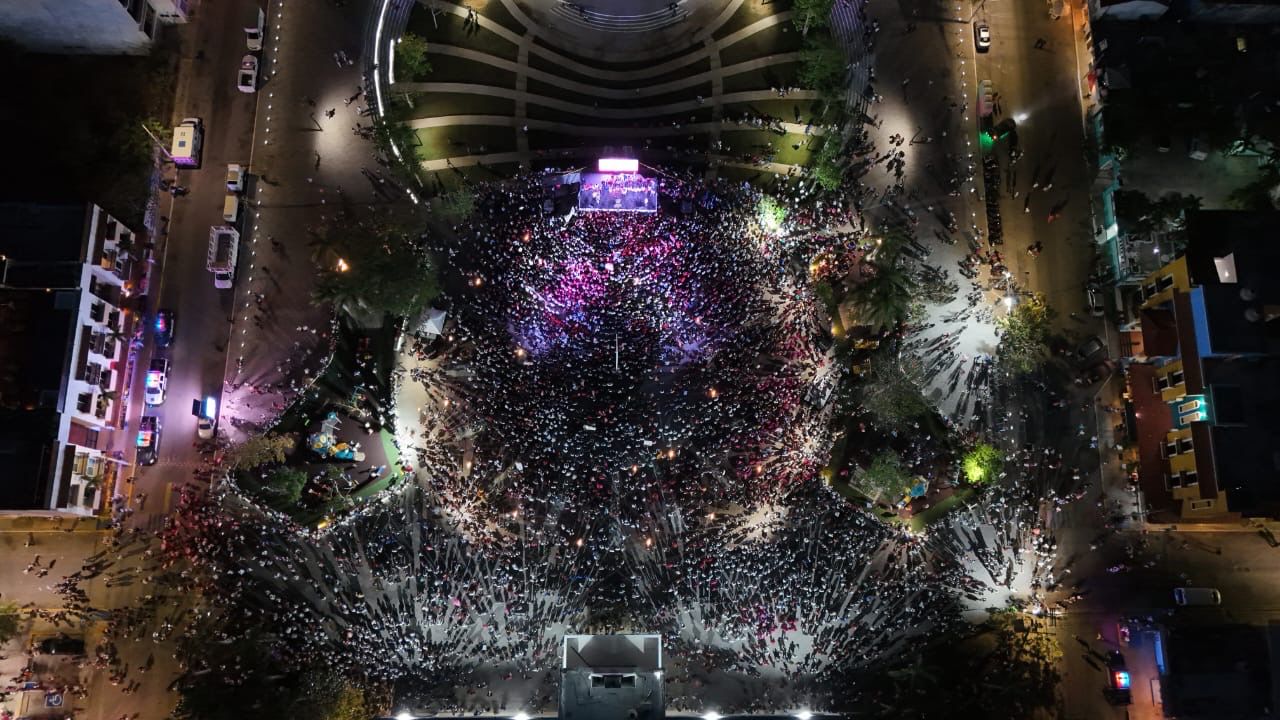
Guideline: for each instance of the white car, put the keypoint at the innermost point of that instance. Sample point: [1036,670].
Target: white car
[235,178]
[247,78]
[204,428]
[207,419]
[157,381]
[253,35]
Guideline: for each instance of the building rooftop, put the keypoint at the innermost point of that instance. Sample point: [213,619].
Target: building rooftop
[1244,395]
[40,232]
[1221,671]
[612,677]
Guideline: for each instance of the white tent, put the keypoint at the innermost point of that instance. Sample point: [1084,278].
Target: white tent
[433,324]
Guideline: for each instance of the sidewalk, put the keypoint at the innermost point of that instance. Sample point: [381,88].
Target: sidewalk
[924,83]
[304,166]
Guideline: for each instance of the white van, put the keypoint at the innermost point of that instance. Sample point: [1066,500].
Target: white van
[188,139]
[231,208]
[1185,596]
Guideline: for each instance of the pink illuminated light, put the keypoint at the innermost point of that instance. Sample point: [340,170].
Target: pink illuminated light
[622,165]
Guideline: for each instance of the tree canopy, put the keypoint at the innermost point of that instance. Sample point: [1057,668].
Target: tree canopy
[1139,213]
[982,464]
[891,391]
[411,58]
[1024,335]
[457,205]
[260,450]
[884,297]
[823,65]
[9,621]
[884,479]
[811,14]
[369,265]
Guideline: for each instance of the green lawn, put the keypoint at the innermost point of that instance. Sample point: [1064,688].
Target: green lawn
[779,107]
[752,141]
[437,104]
[540,112]
[688,94]
[452,32]
[545,64]
[773,76]
[442,142]
[935,512]
[450,68]
[630,65]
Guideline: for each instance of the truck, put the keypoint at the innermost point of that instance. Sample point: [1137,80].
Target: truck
[224,249]
[188,140]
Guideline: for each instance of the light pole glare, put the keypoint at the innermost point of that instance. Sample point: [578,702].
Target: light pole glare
[404,715]
[712,715]
[520,716]
[804,715]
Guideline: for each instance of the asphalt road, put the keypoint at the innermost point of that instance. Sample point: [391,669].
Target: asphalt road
[1037,87]
[212,48]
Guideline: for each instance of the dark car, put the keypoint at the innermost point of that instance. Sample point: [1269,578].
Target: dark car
[163,327]
[982,36]
[61,645]
[148,442]
[1091,352]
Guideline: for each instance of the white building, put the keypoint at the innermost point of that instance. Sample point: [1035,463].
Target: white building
[88,27]
[64,352]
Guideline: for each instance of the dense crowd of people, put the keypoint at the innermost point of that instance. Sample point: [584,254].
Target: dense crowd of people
[650,395]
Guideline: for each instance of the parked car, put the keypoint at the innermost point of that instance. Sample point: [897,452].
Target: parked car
[235,178]
[982,36]
[1097,307]
[247,77]
[157,381]
[148,442]
[204,428]
[206,418]
[1185,596]
[253,33]
[1091,352]
[163,327]
[60,645]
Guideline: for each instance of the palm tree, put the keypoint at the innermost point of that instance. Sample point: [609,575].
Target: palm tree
[883,298]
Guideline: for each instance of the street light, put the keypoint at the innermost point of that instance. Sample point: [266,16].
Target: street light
[404,715]
[520,716]
[342,265]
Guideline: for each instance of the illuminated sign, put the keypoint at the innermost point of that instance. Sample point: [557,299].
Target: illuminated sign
[622,165]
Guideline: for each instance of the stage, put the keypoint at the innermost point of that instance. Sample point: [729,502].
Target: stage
[617,192]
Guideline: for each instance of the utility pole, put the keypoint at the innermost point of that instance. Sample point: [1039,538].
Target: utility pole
[156,140]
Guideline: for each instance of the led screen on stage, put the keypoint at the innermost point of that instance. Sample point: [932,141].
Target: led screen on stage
[617,192]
